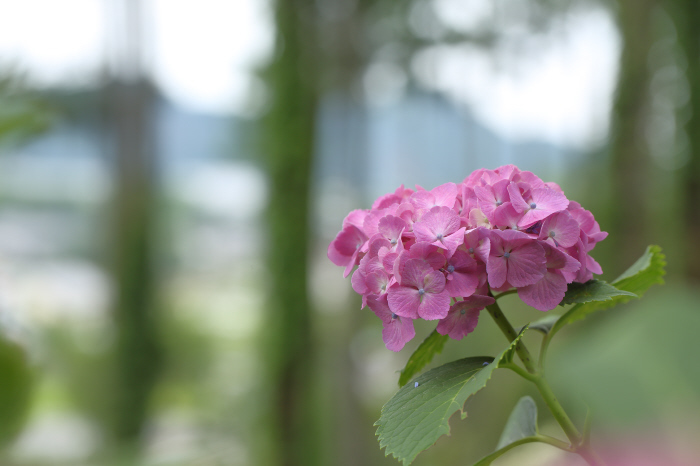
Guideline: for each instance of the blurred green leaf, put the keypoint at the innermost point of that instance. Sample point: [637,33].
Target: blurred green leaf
[15,390]
[422,356]
[543,325]
[521,423]
[520,428]
[419,413]
[592,290]
[647,271]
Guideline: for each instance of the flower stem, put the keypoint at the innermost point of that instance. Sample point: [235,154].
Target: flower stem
[510,333]
[579,445]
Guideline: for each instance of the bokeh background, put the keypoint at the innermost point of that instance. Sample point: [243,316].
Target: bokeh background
[172,171]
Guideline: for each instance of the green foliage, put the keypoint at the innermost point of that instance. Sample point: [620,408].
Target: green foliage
[592,290]
[647,271]
[520,428]
[422,356]
[419,413]
[15,390]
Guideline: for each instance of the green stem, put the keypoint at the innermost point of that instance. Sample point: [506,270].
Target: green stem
[510,333]
[579,445]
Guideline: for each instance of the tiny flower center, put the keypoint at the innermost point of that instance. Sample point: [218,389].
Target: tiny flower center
[463,311]
[552,234]
[393,316]
[533,205]
[506,255]
[393,242]
[421,292]
[498,203]
[471,250]
[450,268]
[439,236]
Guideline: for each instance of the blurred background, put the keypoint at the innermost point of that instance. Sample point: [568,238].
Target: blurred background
[171,173]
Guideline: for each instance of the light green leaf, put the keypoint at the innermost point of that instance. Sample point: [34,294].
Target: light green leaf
[419,413]
[521,423]
[422,356]
[543,325]
[592,290]
[647,271]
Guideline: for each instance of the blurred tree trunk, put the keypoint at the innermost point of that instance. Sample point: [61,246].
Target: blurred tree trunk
[686,15]
[136,353]
[630,151]
[130,101]
[288,143]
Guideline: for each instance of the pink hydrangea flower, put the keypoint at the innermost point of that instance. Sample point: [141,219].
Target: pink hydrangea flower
[420,251]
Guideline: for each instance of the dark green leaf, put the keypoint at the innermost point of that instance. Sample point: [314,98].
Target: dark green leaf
[521,423]
[644,273]
[422,356]
[419,413]
[592,290]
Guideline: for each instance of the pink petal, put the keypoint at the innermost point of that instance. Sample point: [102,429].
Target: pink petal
[549,199]
[445,194]
[414,273]
[462,284]
[516,198]
[545,294]
[506,216]
[358,282]
[397,333]
[391,228]
[560,229]
[428,253]
[433,282]
[343,249]
[356,218]
[377,282]
[458,325]
[526,264]
[434,305]
[403,301]
[453,241]
[497,271]
[380,307]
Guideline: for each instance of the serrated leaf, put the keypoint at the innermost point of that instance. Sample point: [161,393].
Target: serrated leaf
[422,356]
[647,271]
[520,428]
[543,325]
[592,290]
[418,414]
[522,422]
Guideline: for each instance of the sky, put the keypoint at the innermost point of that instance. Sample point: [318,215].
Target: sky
[203,56]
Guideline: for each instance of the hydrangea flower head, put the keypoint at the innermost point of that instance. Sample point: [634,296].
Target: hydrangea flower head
[438,254]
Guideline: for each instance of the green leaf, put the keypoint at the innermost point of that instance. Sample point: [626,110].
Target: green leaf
[543,325]
[647,271]
[521,423]
[520,428]
[422,356]
[592,290]
[418,414]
